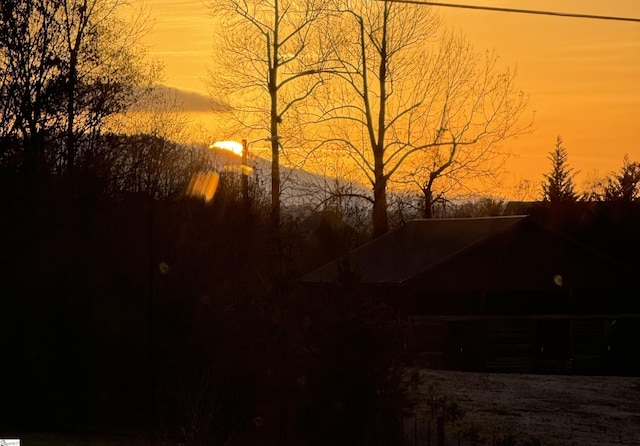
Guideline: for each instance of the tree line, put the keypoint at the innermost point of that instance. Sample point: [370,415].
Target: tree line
[66,67]
[128,306]
[559,186]
[387,103]
[377,89]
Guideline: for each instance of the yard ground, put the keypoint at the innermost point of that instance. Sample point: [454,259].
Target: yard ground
[546,410]
[552,409]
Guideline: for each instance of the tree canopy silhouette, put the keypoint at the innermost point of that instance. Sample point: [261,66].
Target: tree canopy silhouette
[624,185]
[410,103]
[558,186]
[269,57]
[66,66]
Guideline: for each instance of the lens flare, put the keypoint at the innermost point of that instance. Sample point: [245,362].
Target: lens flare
[203,185]
[240,168]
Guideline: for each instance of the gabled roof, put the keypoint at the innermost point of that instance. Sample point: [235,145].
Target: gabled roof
[414,248]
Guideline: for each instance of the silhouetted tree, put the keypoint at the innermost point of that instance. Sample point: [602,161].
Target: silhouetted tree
[66,66]
[558,186]
[624,185]
[155,166]
[396,99]
[30,36]
[269,55]
[483,207]
[100,63]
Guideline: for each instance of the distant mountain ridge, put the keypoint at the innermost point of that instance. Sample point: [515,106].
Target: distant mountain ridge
[186,100]
[299,187]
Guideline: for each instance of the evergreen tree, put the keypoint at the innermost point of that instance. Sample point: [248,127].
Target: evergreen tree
[558,186]
[624,185]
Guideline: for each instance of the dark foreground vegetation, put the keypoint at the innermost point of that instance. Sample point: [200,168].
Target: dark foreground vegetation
[179,319]
[129,307]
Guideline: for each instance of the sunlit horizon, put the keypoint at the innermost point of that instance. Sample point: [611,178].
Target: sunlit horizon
[231,146]
[581,75]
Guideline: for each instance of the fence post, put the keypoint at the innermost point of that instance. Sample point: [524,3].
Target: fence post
[440,428]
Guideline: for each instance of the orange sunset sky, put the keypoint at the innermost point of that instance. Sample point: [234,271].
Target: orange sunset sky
[583,76]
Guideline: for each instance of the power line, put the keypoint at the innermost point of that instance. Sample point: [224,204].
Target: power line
[518,11]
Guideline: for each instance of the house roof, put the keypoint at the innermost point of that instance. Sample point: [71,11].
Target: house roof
[415,247]
[489,253]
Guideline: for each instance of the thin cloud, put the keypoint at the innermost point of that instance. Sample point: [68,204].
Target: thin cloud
[180,53]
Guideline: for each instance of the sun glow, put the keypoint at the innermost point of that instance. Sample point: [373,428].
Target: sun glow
[562,69]
[231,146]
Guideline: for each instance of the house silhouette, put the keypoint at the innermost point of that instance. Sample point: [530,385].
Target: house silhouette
[500,294]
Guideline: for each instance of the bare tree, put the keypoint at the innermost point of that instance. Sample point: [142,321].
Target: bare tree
[29,40]
[158,111]
[473,108]
[99,58]
[67,65]
[414,104]
[268,59]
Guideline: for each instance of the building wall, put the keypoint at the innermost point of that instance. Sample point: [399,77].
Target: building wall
[555,344]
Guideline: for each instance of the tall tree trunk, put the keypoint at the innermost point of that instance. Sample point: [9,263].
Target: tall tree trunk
[275,120]
[75,45]
[428,202]
[275,173]
[380,218]
[380,215]
[71,112]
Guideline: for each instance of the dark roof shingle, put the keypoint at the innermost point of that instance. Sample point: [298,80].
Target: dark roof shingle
[413,248]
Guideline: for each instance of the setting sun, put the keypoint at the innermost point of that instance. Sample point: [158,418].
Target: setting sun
[231,146]
[581,75]
[316,222]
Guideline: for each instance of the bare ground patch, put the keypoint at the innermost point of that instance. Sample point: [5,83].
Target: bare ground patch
[553,409]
